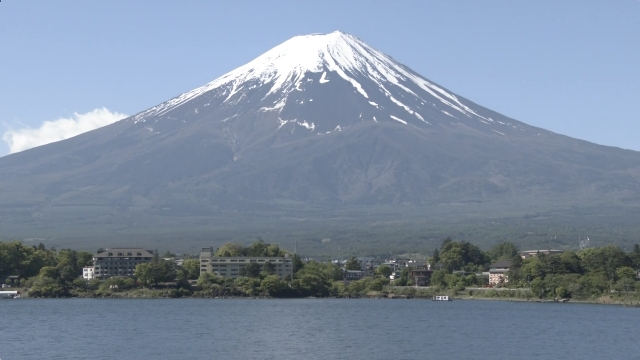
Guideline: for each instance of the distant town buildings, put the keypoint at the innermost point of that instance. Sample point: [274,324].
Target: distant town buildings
[231,267]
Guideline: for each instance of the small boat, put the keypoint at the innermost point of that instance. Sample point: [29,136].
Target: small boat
[440,298]
[9,295]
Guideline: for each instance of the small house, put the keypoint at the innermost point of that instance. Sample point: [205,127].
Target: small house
[498,272]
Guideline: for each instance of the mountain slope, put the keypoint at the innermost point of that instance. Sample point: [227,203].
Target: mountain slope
[322,124]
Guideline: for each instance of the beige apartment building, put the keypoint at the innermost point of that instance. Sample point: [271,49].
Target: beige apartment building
[229,267]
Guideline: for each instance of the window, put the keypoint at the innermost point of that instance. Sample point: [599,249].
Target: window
[139,254]
[128,254]
[110,254]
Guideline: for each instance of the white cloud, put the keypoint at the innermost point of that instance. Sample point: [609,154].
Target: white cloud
[60,129]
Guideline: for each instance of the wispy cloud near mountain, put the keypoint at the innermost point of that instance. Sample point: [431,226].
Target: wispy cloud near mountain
[60,129]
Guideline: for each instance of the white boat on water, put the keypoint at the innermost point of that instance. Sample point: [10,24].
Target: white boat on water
[9,295]
[441,298]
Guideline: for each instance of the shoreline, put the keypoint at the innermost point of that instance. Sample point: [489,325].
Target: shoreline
[154,294]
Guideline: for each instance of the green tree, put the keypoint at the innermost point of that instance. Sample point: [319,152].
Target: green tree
[271,285]
[383,271]
[314,279]
[246,286]
[273,250]
[626,285]
[191,268]
[252,270]
[446,242]
[258,248]
[377,284]
[463,256]
[504,250]
[353,264]
[571,262]
[50,272]
[562,292]
[438,278]
[539,287]
[436,256]
[626,272]
[206,280]
[168,254]
[145,274]
[635,256]
[297,263]
[606,259]
[84,259]
[152,273]
[403,280]
[269,268]
[230,250]
[44,286]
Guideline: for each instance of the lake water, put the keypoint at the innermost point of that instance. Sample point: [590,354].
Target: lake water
[313,329]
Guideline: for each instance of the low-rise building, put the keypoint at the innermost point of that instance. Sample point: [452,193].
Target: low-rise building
[230,267]
[498,272]
[420,276]
[395,275]
[531,253]
[118,262]
[351,275]
[88,272]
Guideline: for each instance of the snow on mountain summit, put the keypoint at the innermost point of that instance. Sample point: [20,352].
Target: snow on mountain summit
[383,84]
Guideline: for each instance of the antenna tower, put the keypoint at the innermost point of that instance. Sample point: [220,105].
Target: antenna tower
[584,243]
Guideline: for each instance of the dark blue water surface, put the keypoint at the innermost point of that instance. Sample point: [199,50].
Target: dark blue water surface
[314,329]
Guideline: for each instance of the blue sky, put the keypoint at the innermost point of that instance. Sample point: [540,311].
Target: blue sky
[572,67]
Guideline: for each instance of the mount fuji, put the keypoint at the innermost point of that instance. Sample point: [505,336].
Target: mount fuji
[319,129]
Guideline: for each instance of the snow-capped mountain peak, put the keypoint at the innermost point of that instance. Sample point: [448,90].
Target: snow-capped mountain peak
[389,89]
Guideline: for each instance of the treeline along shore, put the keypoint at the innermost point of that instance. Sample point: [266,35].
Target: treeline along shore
[459,269]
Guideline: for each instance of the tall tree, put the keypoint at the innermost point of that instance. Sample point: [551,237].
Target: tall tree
[252,270]
[297,263]
[504,250]
[191,268]
[269,268]
[383,271]
[352,264]
[436,256]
